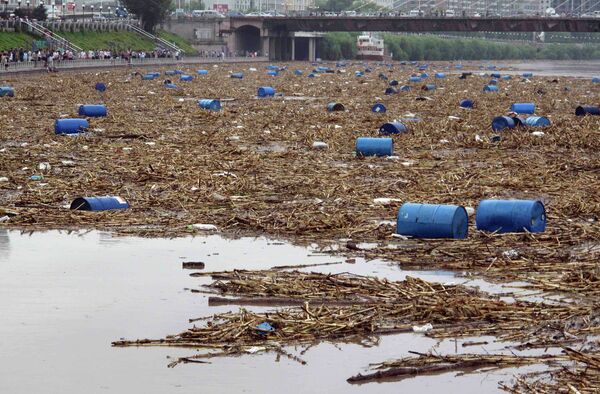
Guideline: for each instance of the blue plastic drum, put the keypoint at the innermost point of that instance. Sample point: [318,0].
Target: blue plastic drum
[265,91]
[466,103]
[367,146]
[490,88]
[538,121]
[7,91]
[392,128]
[511,216]
[212,105]
[93,110]
[583,110]
[202,72]
[237,75]
[523,108]
[440,75]
[70,126]
[101,87]
[186,78]
[335,107]
[106,203]
[432,221]
[503,122]
[379,108]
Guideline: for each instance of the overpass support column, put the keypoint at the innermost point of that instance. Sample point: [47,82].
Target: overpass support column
[293,48]
[265,46]
[312,49]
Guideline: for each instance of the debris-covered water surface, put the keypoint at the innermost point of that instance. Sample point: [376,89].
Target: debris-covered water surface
[286,167]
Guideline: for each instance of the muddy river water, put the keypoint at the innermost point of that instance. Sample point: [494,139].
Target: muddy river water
[65,297]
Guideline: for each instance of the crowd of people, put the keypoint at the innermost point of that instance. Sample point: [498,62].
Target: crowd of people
[49,57]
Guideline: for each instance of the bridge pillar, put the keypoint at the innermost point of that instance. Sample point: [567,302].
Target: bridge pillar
[293,49]
[312,49]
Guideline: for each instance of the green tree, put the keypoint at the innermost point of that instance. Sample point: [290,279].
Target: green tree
[40,13]
[334,5]
[151,12]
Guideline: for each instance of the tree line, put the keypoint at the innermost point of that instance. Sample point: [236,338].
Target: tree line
[337,46]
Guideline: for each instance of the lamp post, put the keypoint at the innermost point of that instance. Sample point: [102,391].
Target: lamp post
[83,11]
[19,4]
[28,6]
[109,14]
[92,8]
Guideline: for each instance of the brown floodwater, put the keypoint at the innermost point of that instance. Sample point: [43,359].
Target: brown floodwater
[64,298]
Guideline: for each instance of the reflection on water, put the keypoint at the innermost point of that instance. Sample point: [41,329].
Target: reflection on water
[4,244]
[65,297]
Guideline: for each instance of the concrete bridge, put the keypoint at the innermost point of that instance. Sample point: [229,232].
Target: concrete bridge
[295,38]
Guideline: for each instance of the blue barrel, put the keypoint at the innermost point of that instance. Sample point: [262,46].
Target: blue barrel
[359,73]
[466,103]
[527,75]
[393,82]
[440,75]
[367,146]
[583,110]
[428,87]
[7,91]
[186,78]
[519,122]
[490,88]
[266,91]
[506,77]
[272,67]
[414,79]
[212,105]
[391,90]
[491,67]
[459,66]
[493,82]
[495,75]
[503,122]
[272,73]
[298,72]
[424,76]
[170,86]
[101,87]
[423,67]
[70,126]
[595,80]
[537,121]
[379,108]
[523,108]
[392,128]
[237,75]
[202,72]
[511,216]
[170,72]
[179,72]
[93,110]
[105,203]
[405,88]
[148,77]
[432,221]
[334,107]
[311,75]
